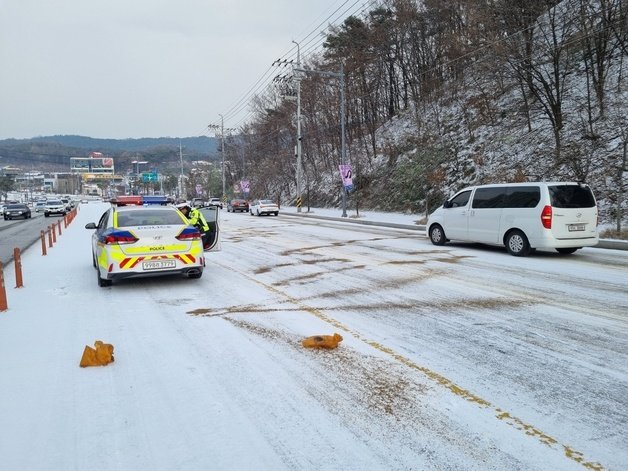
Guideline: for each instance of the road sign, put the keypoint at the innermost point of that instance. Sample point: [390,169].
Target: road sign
[150,177]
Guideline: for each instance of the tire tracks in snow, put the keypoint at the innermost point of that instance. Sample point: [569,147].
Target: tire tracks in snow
[437,378]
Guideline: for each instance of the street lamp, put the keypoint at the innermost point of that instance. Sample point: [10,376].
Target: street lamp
[137,170]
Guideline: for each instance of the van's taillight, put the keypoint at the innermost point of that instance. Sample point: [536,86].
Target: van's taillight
[189,233]
[122,237]
[546,217]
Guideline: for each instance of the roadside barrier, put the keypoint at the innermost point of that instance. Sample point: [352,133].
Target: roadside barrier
[51,232]
[43,243]
[17,263]
[3,292]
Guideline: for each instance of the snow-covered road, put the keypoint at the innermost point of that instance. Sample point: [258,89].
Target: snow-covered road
[457,357]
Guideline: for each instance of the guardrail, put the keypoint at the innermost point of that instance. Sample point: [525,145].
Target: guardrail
[602,244]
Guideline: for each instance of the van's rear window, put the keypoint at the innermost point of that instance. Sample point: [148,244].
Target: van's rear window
[571,196]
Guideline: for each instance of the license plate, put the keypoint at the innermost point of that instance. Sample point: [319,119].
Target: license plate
[575,227]
[157,264]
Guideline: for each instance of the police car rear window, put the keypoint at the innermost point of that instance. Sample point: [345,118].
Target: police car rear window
[148,218]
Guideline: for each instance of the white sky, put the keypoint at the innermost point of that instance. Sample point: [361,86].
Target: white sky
[231,389]
[145,68]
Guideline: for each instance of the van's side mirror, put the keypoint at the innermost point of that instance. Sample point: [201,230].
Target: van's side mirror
[90,225]
[447,204]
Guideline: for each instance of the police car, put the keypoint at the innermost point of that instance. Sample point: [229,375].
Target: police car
[133,239]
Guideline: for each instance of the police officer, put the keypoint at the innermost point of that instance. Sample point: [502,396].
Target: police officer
[196,219]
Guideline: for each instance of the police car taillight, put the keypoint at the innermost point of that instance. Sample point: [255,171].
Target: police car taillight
[189,233]
[546,217]
[119,238]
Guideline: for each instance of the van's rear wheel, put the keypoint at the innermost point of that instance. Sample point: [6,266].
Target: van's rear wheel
[437,235]
[567,250]
[517,244]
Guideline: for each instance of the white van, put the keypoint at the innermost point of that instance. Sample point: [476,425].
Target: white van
[521,216]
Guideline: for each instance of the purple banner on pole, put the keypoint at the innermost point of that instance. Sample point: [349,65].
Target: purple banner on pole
[346,174]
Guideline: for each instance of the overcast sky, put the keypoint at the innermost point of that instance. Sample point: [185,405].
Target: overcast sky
[143,68]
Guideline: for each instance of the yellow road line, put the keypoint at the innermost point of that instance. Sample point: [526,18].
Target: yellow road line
[500,414]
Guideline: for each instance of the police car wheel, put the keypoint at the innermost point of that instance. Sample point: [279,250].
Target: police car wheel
[102,282]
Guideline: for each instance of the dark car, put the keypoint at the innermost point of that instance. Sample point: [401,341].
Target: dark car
[17,210]
[238,205]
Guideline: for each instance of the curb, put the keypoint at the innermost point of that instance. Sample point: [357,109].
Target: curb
[602,244]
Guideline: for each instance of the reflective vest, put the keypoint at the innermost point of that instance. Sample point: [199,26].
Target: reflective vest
[197,219]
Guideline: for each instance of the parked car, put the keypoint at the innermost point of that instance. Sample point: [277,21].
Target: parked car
[16,210]
[68,204]
[259,207]
[55,207]
[198,202]
[143,241]
[215,202]
[237,205]
[521,216]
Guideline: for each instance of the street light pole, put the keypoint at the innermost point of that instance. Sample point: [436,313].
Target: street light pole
[222,152]
[137,173]
[181,176]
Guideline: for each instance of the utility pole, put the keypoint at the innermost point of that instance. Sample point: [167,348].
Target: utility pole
[298,80]
[222,149]
[343,153]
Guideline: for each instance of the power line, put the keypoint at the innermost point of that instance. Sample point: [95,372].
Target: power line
[266,78]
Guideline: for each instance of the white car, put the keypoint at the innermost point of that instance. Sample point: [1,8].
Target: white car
[142,241]
[215,202]
[55,207]
[520,216]
[39,206]
[259,207]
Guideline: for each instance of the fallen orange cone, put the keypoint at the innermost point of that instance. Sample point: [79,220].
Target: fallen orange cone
[100,356]
[322,341]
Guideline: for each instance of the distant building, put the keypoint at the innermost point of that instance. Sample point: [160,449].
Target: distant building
[93,170]
[66,183]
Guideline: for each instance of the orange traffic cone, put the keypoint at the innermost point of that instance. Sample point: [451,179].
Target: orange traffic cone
[100,356]
[322,341]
